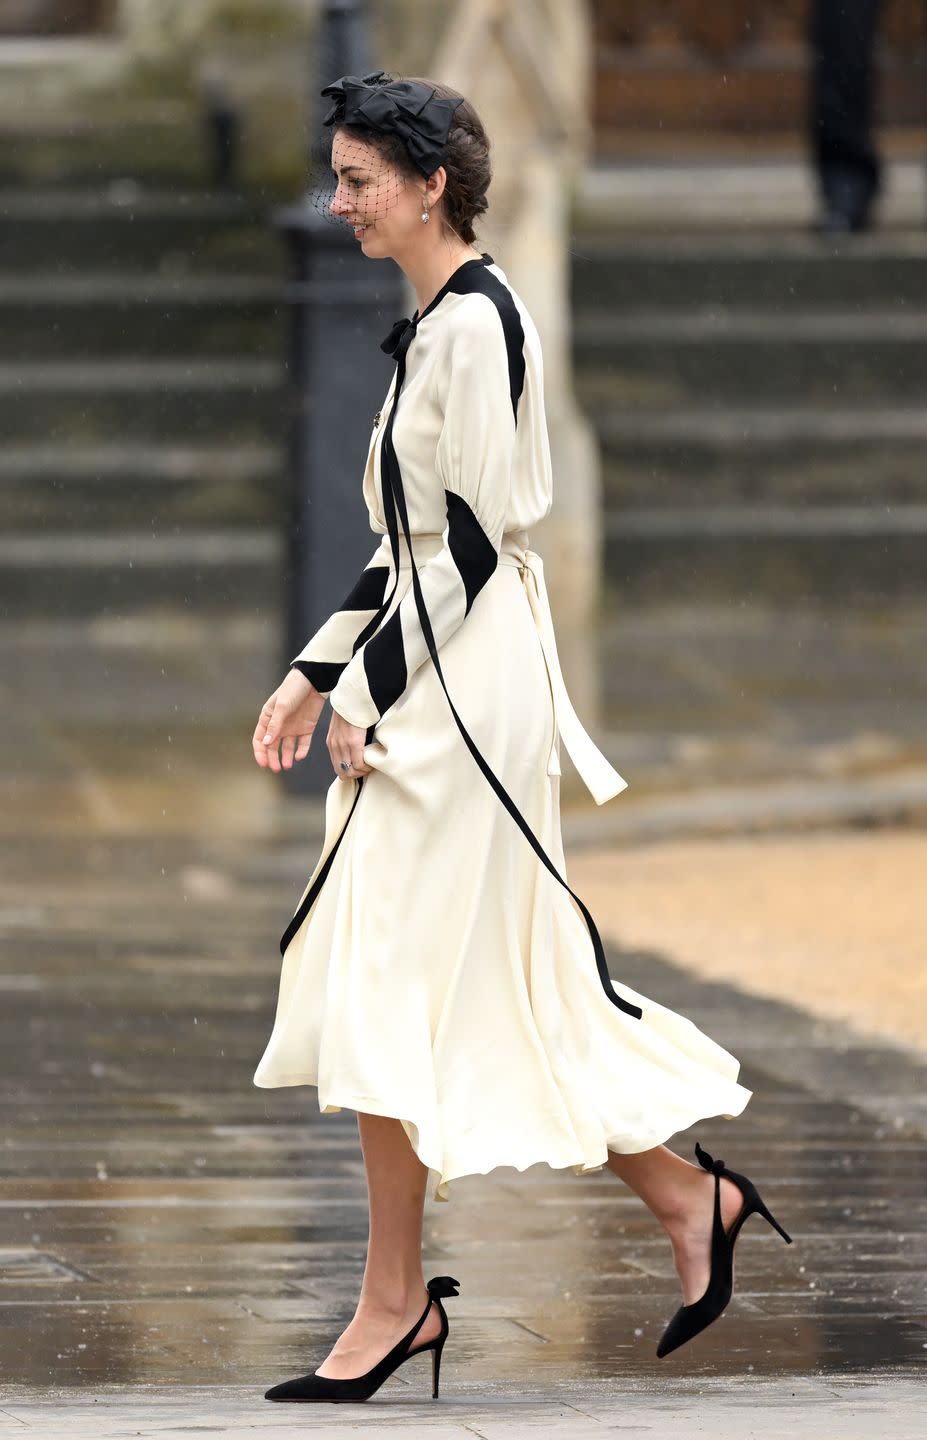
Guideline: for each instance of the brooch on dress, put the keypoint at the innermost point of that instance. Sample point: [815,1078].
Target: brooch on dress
[376,418]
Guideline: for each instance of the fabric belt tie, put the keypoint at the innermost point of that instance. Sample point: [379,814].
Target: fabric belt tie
[598,775]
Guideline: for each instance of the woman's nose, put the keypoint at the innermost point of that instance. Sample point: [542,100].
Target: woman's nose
[338,205]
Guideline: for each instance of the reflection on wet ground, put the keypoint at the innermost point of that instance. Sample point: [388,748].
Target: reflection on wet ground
[164,1223]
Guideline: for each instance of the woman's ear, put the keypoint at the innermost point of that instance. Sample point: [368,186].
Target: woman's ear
[434,185]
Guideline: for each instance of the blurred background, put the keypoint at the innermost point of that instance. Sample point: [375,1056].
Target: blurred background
[736,402]
[716,215]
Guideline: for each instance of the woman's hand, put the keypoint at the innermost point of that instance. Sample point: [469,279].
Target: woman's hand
[346,742]
[285,726]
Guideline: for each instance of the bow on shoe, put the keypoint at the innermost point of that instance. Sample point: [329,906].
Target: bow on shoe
[399,338]
[442,1286]
[716,1167]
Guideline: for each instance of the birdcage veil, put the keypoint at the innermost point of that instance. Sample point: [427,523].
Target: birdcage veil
[381,133]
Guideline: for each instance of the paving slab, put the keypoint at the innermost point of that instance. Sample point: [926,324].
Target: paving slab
[173,1240]
[822,1408]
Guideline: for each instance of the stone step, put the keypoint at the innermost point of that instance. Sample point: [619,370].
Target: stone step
[167,148]
[155,670]
[63,573]
[128,228]
[785,505]
[654,360]
[739,556]
[878,522]
[766,196]
[93,401]
[736,455]
[771,271]
[113,486]
[106,315]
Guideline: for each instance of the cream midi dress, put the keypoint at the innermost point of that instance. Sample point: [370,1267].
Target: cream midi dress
[437,969]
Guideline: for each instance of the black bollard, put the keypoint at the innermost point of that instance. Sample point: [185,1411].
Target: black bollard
[223,141]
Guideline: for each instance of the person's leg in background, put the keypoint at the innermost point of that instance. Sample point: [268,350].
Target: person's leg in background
[842,40]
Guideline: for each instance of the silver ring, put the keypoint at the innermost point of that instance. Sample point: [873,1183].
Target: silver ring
[345,765]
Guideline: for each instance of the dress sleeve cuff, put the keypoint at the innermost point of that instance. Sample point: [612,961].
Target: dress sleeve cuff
[353,704]
[321,677]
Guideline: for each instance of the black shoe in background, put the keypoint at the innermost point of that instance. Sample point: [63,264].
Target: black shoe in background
[847,204]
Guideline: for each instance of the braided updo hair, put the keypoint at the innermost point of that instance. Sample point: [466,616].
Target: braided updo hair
[466,161]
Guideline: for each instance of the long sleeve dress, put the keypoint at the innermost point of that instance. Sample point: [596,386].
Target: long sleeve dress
[437,968]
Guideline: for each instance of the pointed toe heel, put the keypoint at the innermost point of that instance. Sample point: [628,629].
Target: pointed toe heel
[361,1387]
[691,1320]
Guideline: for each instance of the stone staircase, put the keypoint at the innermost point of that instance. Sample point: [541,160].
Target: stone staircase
[761,407]
[141,472]
[760,402]
[758,396]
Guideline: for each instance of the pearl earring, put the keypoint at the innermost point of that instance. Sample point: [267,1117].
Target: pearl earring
[425,213]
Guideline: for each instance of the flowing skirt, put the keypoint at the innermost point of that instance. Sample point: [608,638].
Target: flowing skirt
[442,975]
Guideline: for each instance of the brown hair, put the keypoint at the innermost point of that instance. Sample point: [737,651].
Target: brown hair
[466,161]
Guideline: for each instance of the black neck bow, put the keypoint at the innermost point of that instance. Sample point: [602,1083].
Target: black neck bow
[399,338]
[406,108]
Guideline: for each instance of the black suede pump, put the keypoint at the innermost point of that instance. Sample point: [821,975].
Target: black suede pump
[690,1320]
[361,1387]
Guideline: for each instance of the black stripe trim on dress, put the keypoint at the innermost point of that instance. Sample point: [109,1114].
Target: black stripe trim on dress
[498,787]
[308,899]
[368,593]
[323,674]
[471,548]
[477,280]
[385,664]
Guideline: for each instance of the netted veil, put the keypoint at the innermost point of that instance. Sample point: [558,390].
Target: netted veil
[354,182]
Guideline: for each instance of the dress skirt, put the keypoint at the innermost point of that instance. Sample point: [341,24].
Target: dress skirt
[442,975]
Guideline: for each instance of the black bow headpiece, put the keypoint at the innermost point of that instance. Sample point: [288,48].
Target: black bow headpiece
[406,108]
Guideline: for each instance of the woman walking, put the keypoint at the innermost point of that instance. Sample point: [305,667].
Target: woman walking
[437,978]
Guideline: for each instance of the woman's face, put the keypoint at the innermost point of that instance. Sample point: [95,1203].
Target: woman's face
[382,205]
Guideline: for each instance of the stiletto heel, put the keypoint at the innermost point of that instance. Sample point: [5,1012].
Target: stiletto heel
[361,1387]
[435,1367]
[690,1320]
[767,1215]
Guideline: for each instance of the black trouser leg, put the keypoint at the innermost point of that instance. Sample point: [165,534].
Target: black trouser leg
[842,83]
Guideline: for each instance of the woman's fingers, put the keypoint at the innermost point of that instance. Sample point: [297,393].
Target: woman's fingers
[346,745]
[265,720]
[355,761]
[360,767]
[270,741]
[279,737]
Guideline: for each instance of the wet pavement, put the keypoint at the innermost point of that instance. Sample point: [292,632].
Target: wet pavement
[172,1239]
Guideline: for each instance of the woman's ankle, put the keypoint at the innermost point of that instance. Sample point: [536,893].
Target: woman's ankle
[682,1201]
[395,1298]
